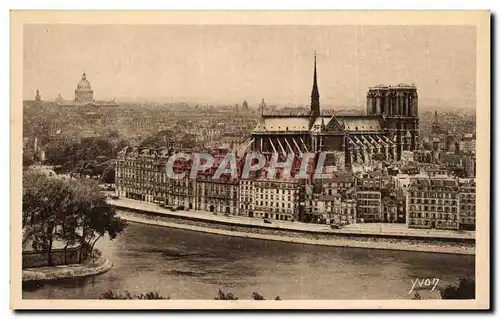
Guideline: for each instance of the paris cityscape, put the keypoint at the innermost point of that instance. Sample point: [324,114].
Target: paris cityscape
[271,199]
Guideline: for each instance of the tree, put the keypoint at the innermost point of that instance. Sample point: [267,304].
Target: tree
[465,289]
[46,200]
[118,145]
[62,152]
[257,296]
[108,176]
[96,218]
[67,225]
[229,296]
[416,296]
[154,295]
[128,296]
[91,147]
[88,153]
[225,296]
[71,211]
[27,159]
[188,141]
[161,139]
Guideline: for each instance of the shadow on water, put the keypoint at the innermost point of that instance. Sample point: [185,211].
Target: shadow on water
[173,253]
[76,282]
[185,273]
[32,286]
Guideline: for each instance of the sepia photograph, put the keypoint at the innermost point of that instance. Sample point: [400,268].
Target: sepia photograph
[250,160]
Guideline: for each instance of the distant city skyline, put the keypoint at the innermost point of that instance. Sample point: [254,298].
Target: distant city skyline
[229,64]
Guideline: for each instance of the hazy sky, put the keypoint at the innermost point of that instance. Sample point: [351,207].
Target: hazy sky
[227,64]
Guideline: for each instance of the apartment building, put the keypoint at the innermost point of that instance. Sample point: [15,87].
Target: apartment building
[369,199]
[433,202]
[467,198]
[276,199]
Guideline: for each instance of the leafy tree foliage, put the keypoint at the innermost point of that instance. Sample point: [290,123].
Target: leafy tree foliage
[257,296]
[128,296]
[91,148]
[68,210]
[225,296]
[44,202]
[416,296]
[167,138]
[90,156]
[464,289]
[229,296]
[61,152]
[108,175]
[27,159]
[154,295]
[163,138]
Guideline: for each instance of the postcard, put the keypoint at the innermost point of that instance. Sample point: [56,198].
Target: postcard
[250,159]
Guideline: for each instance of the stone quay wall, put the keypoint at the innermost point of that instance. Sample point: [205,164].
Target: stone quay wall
[436,245]
[33,259]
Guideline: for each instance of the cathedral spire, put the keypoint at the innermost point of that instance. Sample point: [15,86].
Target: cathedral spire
[315,80]
[315,92]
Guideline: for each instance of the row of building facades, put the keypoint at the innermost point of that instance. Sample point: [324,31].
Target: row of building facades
[423,196]
[415,198]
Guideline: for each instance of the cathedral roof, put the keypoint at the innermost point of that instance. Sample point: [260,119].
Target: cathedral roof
[360,123]
[283,124]
[84,84]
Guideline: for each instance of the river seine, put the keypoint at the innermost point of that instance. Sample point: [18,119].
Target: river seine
[190,265]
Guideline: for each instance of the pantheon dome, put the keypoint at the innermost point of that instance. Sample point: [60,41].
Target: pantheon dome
[83,92]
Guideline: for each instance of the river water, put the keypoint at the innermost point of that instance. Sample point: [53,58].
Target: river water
[190,265]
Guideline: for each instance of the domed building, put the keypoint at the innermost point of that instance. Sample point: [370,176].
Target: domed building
[84,96]
[84,93]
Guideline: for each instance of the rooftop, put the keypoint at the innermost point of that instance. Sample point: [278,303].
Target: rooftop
[278,124]
[433,182]
[398,86]
[360,123]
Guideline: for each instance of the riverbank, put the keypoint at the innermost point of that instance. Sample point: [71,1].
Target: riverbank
[352,230]
[323,239]
[89,268]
